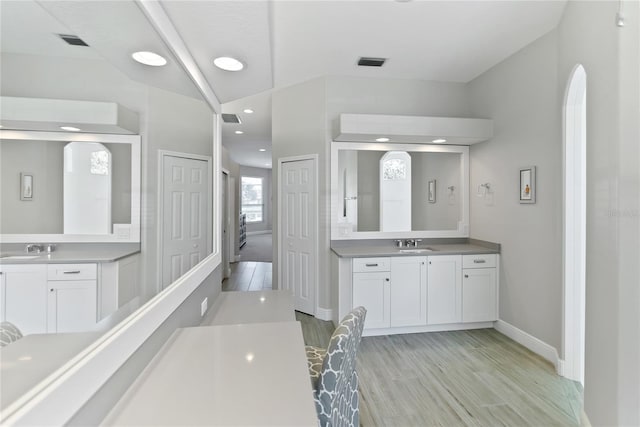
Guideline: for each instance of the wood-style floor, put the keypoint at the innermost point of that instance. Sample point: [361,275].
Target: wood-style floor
[248,276]
[462,378]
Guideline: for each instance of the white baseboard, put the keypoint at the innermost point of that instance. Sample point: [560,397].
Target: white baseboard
[253,233]
[324,313]
[539,347]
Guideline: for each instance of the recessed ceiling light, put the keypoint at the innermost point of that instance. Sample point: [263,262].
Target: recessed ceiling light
[262,149]
[382,139]
[228,63]
[70,128]
[239,132]
[248,110]
[439,140]
[149,58]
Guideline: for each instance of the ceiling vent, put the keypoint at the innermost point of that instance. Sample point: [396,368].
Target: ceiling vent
[72,40]
[231,118]
[371,62]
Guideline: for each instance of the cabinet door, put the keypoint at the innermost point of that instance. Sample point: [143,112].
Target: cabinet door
[444,289]
[479,295]
[72,305]
[371,290]
[23,297]
[408,291]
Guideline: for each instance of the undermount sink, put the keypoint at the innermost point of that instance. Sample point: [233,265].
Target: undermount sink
[415,251]
[19,256]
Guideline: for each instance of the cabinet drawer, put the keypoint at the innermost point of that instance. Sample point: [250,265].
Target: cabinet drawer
[479,261]
[71,271]
[364,265]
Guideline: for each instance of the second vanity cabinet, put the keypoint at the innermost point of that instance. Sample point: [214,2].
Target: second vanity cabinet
[57,297]
[72,297]
[422,293]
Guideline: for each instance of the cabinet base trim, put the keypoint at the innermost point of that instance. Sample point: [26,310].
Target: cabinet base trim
[426,328]
[534,344]
[324,313]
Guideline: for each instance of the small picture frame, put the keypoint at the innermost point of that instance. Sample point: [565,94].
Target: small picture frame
[431,191]
[528,184]
[26,187]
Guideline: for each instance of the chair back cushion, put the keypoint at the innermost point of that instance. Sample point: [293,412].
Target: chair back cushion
[337,390]
[9,333]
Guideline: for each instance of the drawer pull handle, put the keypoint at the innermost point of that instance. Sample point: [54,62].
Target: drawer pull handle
[466,276]
[479,261]
[371,265]
[387,279]
[71,272]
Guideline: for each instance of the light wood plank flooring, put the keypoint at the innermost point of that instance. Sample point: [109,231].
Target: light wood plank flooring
[248,276]
[462,378]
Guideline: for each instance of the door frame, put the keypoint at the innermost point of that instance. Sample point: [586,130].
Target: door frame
[281,161]
[229,256]
[160,234]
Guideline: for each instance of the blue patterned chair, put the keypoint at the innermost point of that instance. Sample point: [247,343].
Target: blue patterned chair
[333,373]
[9,333]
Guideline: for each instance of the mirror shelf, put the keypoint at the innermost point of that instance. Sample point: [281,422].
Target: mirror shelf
[123,233]
[355,191]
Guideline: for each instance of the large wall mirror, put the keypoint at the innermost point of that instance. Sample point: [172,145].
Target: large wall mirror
[399,190]
[36,63]
[81,187]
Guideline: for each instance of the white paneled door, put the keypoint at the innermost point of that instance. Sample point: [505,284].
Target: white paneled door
[298,230]
[184,229]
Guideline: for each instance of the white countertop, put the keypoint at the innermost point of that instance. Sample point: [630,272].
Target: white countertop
[26,362]
[378,250]
[252,307]
[250,374]
[103,254]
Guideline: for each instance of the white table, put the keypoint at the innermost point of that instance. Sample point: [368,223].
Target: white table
[252,307]
[248,374]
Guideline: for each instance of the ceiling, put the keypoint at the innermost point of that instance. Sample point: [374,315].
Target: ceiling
[286,42]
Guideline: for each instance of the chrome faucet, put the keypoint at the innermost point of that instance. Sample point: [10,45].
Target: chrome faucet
[412,242]
[34,248]
[399,243]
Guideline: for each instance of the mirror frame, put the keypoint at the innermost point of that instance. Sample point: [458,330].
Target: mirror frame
[133,140]
[463,223]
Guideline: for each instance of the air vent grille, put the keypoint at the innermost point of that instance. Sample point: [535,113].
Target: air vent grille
[371,62]
[230,118]
[72,40]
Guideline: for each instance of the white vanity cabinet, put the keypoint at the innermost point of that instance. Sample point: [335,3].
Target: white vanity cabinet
[371,289]
[66,297]
[408,291]
[444,295]
[479,288]
[23,297]
[72,297]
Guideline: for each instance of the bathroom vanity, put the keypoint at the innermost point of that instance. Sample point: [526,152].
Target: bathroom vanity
[448,285]
[69,290]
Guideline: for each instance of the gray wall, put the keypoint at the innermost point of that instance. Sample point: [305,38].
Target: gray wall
[299,128]
[524,95]
[611,57]
[234,172]
[445,213]
[521,96]
[369,190]
[44,159]
[267,197]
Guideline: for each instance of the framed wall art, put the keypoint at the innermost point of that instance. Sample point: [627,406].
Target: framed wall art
[528,184]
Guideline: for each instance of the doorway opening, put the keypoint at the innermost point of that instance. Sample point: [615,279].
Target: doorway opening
[574,223]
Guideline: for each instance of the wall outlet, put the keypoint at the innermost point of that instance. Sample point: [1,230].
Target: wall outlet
[203,306]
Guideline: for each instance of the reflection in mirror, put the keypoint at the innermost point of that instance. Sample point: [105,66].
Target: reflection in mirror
[59,206]
[364,209]
[357,190]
